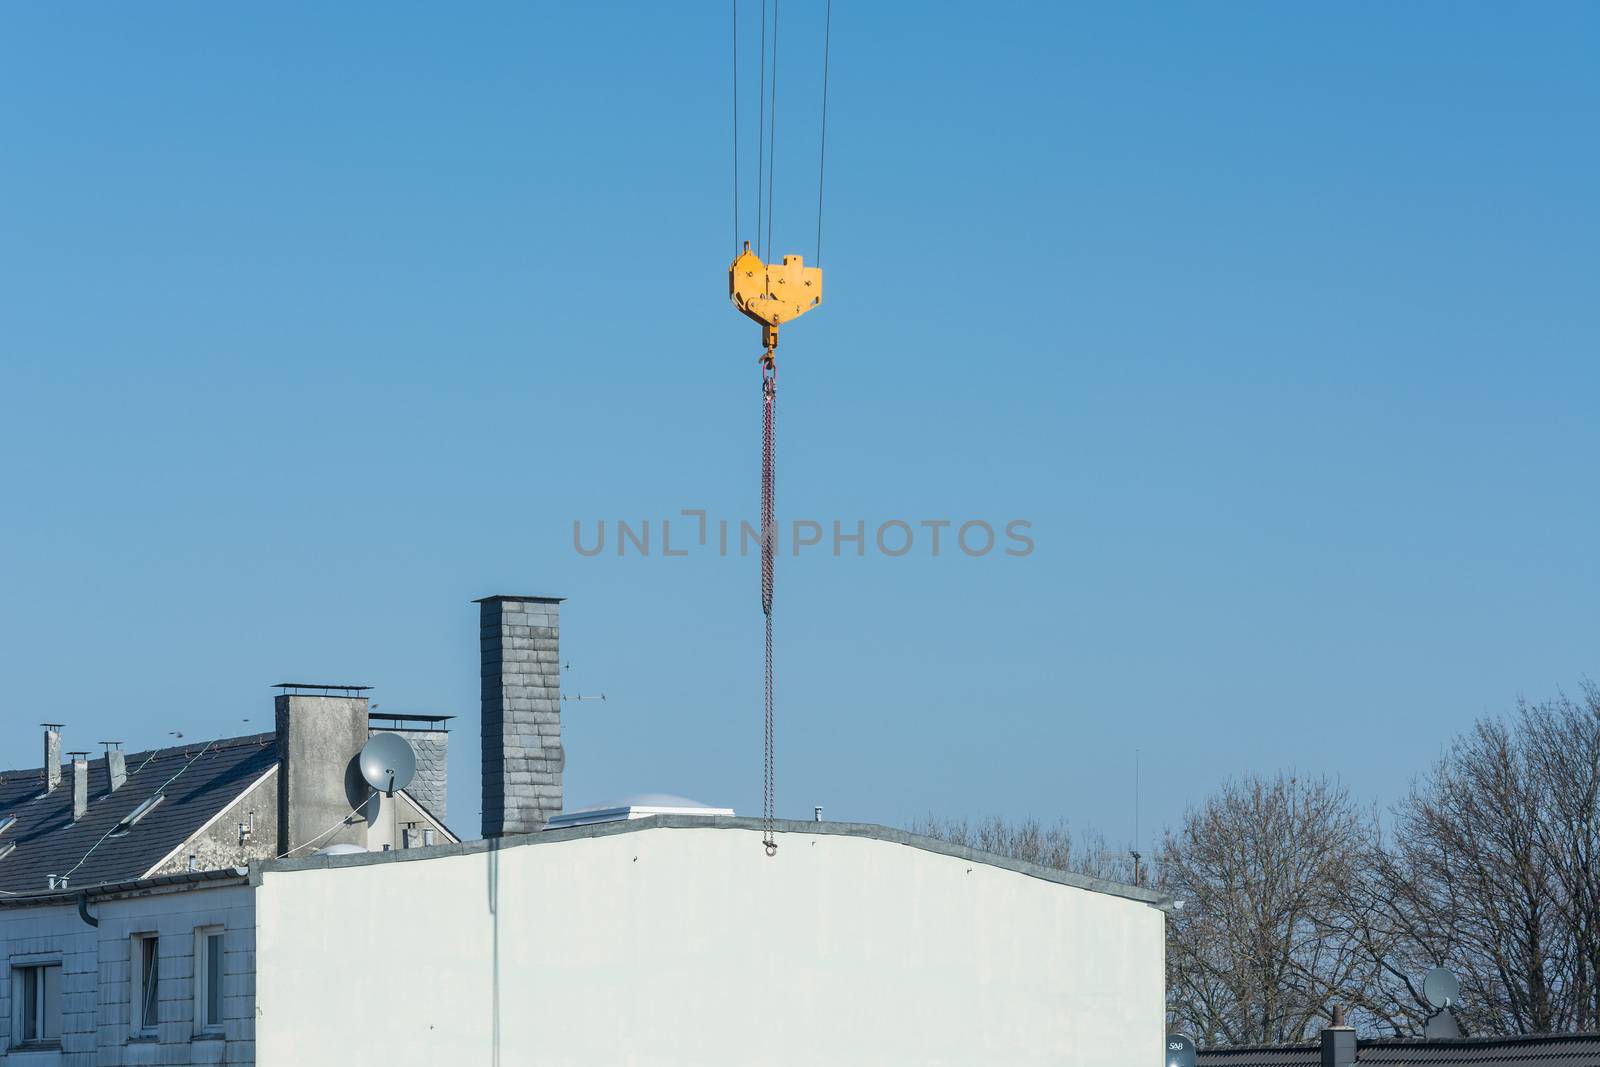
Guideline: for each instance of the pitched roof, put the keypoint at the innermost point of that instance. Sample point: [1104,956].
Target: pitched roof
[1534,1050]
[197,781]
[1303,1055]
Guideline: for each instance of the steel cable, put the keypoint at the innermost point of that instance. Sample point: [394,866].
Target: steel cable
[736,127]
[822,152]
[772,129]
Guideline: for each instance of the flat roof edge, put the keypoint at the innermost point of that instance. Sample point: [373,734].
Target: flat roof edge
[868,831]
[132,887]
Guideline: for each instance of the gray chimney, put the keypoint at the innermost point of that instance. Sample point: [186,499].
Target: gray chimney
[319,780]
[1338,1042]
[519,637]
[52,755]
[80,784]
[116,767]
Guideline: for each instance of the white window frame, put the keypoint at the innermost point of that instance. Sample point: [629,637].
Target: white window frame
[204,1024]
[136,989]
[41,1001]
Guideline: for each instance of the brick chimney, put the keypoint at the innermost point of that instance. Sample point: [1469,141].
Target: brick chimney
[519,638]
[1338,1042]
[52,755]
[319,780]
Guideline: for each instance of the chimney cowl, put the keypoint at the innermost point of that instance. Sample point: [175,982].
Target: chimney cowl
[1339,1046]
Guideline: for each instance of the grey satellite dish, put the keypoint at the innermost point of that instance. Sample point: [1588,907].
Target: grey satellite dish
[1441,988]
[1180,1051]
[387,763]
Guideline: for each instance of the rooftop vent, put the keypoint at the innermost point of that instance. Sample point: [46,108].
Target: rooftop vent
[131,819]
[326,689]
[636,807]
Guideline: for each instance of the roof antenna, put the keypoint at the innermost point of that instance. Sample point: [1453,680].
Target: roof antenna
[577,698]
[1134,851]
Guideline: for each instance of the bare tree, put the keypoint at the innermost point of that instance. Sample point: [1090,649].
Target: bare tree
[1494,871]
[1055,845]
[1260,950]
[1294,900]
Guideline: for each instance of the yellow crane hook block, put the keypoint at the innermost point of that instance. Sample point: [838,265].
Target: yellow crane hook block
[773,293]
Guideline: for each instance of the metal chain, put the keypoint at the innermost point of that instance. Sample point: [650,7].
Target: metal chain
[769,534]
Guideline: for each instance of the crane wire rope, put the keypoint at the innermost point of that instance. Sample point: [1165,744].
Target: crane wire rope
[766,178]
[735,95]
[761,131]
[772,127]
[822,151]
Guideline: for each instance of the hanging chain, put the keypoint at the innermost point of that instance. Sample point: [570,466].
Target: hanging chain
[769,536]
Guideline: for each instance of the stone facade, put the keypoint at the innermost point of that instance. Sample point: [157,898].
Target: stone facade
[96,973]
[218,845]
[521,679]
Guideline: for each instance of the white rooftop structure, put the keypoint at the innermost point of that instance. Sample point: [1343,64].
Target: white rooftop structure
[639,806]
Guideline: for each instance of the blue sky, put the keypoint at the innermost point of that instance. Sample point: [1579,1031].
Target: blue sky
[1278,324]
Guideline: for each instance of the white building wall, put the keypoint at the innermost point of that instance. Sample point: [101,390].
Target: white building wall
[679,945]
[96,973]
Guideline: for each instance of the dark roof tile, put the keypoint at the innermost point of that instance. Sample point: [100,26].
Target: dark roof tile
[1536,1050]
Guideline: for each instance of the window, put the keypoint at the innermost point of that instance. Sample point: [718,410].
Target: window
[208,980]
[36,1004]
[129,820]
[145,987]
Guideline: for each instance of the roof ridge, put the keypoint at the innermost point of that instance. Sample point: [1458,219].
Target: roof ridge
[192,748]
[189,748]
[1488,1039]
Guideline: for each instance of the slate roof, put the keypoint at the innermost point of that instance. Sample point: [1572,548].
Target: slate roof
[1537,1050]
[198,780]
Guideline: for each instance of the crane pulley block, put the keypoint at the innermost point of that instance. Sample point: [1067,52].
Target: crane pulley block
[773,293]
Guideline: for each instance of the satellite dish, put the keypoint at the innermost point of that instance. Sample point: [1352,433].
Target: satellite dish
[1180,1051]
[387,763]
[1441,988]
